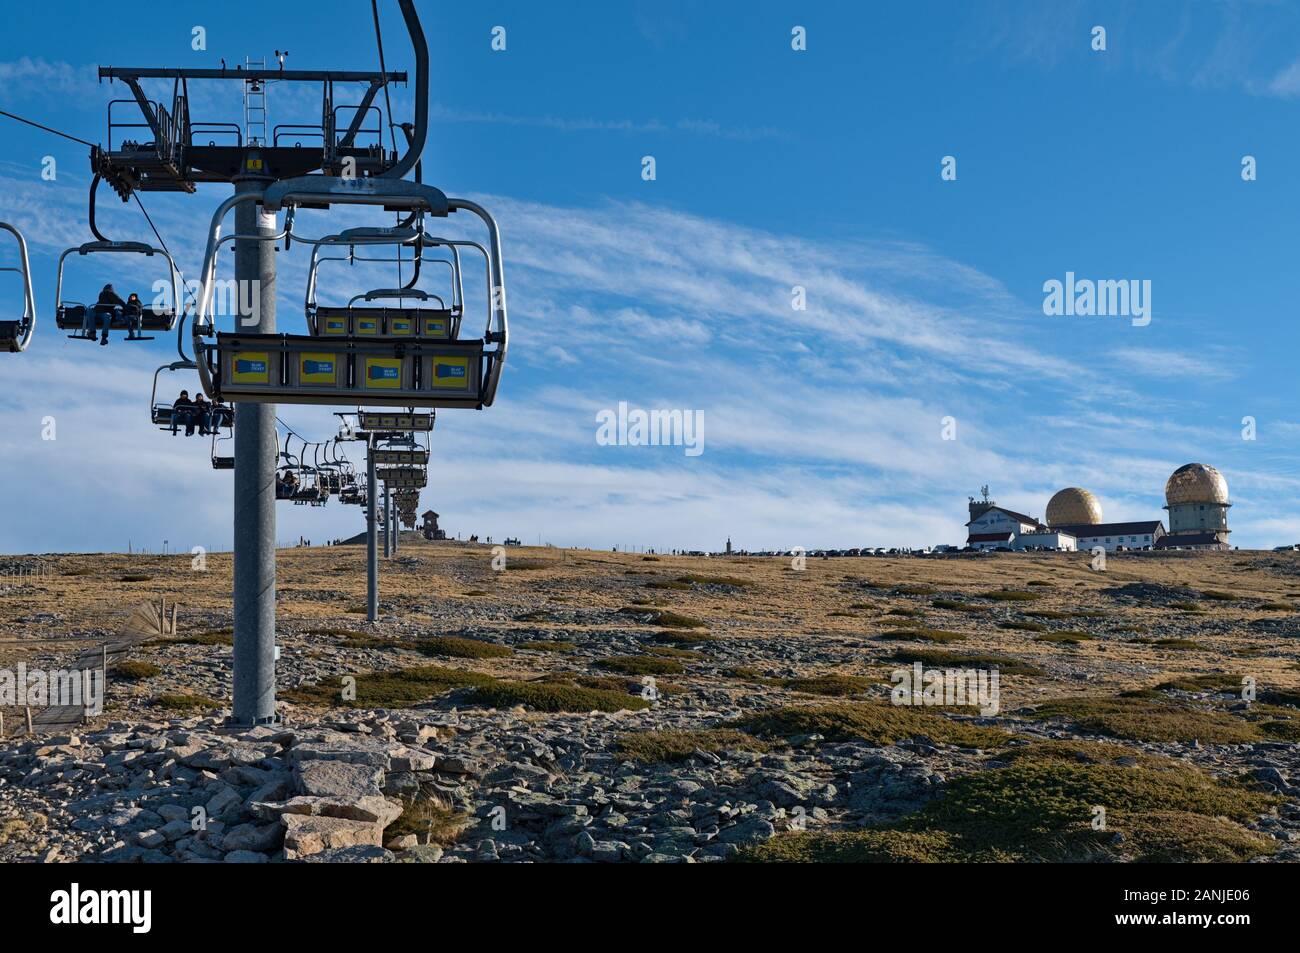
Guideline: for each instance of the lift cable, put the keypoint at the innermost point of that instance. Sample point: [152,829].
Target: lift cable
[5,112]
[295,433]
[184,284]
[388,103]
[94,183]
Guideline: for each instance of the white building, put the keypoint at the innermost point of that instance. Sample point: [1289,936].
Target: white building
[1144,534]
[991,526]
[1047,539]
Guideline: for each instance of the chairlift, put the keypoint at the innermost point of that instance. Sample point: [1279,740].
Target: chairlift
[223,444]
[16,334]
[370,320]
[403,370]
[163,414]
[87,320]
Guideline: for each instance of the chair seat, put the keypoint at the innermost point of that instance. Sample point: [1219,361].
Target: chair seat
[72,318]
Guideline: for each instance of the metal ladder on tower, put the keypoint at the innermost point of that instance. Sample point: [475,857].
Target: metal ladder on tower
[255,105]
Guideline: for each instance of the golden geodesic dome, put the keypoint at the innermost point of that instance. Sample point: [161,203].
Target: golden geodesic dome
[1196,483]
[1073,506]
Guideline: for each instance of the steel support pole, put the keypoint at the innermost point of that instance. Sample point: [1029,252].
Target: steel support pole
[372,544]
[256,455]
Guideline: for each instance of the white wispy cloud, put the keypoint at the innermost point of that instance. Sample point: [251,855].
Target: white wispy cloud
[823,426]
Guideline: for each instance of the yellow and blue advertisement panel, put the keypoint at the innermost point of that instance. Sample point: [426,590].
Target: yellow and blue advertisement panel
[450,372]
[382,373]
[250,367]
[319,367]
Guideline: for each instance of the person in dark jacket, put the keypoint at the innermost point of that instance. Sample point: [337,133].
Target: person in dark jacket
[103,311]
[202,413]
[133,311]
[183,413]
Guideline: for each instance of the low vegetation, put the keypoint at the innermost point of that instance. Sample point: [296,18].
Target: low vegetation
[1137,718]
[651,747]
[134,670]
[641,665]
[553,697]
[662,617]
[877,723]
[939,658]
[922,634]
[1040,807]
[179,701]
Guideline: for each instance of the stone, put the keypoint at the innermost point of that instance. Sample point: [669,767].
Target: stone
[253,837]
[306,834]
[225,798]
[244,857]
[752,830]
[413,759]
[374,809]
[421,854]
[175,830]
[404,842]
[341,779]
[361,854]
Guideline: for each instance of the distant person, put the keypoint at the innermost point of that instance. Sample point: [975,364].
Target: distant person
[103,309]
[182,412]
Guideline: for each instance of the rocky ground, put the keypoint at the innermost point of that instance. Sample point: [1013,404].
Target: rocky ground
[585,706]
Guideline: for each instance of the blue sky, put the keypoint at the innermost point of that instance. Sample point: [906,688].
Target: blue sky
[775,168]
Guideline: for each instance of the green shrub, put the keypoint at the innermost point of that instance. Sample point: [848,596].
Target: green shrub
[925,635]
[398,688]
[555,697]
[940,658]
[662,617]
[178,701]
[134,670]
[1143,719]
[833,685]
[876,723]
[652,747]
[1067,638]
[450,646]
[641,665]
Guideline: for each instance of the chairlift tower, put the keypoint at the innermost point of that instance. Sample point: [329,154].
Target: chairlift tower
[166,151]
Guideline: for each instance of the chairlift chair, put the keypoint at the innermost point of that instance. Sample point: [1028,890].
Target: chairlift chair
[84,320]
[403,370]
[16,334]
[223,444]
[382,320]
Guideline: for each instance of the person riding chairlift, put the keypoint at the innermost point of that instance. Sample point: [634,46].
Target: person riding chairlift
[202,415]
[286,484]
[103,309]
[133,311]
[183,412]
